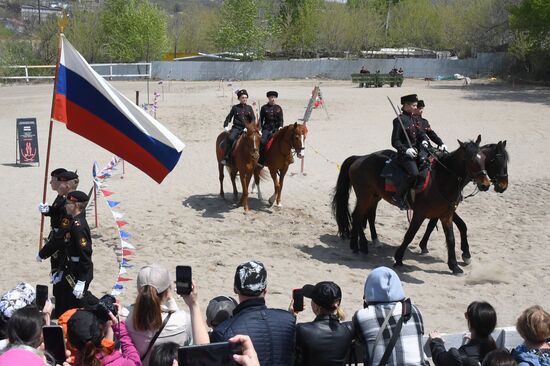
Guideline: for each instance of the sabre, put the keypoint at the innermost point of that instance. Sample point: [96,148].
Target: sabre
[400,122]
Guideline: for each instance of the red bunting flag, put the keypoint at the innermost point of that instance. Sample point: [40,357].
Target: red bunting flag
[121,223]
[127,252]
[106,193]
[123,279]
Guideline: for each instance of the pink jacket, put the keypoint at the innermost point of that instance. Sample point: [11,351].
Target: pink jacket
[127,356]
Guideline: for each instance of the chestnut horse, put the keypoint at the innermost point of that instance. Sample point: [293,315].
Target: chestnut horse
[244,158]
[449,176]
[496,162]
[278,157]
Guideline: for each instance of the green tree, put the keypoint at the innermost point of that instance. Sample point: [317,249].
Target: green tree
[300,22]
[85,34]
[135,30]
[198,23]
[240,29]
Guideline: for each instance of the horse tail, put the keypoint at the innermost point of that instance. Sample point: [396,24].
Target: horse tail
[340,209]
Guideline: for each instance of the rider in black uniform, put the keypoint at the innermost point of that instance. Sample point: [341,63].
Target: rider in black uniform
[271,119]
[406,154]
[241,114]
[427,128]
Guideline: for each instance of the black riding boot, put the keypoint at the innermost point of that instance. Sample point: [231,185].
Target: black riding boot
[400,198]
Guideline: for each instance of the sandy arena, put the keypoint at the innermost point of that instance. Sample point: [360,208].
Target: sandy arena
[183,221]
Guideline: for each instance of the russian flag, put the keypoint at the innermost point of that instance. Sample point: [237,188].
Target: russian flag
[89,106]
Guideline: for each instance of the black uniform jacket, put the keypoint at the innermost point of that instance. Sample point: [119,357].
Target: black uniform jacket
[425,125]
[323,342]
[241,114]
[414,131]
[271,117]
[79,250]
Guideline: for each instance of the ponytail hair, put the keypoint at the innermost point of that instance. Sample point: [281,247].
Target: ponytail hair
[482,319]
[88,355]
[147,314]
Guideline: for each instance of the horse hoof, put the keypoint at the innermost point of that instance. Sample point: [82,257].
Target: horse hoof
[376,243]
[279,205]
[467,259]
[398,264]
[424,250]
[457,271]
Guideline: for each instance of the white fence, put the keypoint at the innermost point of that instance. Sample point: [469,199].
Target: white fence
[110,71]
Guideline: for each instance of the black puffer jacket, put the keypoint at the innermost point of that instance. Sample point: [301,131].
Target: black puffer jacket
[272,331]
[323,342]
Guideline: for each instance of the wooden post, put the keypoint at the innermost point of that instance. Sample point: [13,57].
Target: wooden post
[61,22]
[307,114]
[95,205]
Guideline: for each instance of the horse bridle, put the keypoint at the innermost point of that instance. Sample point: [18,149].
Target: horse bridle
[500,175]
[297,150]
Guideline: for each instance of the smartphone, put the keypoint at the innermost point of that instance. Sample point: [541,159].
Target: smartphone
[41,296]
[297,300]
[54,342]
[184,280]
[213,354]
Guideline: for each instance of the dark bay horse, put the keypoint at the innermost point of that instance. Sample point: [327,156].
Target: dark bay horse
[278,157]
[496,163]
[244,159]
[439,200]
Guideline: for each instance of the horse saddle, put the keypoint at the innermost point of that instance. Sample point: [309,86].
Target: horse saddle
[268,144]
[394,175]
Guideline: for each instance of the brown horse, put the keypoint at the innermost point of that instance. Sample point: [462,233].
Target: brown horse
[449,176]
[278,157]
[243,160]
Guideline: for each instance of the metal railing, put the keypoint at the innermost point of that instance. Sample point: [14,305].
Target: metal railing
[110,75]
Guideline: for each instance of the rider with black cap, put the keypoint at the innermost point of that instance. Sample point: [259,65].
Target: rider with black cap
[427,128]
[241,114]
[271,119]
[407,148]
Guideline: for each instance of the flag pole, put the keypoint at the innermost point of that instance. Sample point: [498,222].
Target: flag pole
[61,22]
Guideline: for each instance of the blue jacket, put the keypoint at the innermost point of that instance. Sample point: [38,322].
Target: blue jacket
[272,331]
[526,357]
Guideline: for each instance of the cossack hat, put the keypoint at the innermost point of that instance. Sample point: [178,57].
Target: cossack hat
[272,93]
[56,172]
[421,104]
[77,196]
[251,278]
[155,276]
[411,98]
[242,92]
[67,176]
[324,294]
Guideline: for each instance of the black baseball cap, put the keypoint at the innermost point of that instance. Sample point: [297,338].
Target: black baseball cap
[220,309]
[84,326]
[324,294]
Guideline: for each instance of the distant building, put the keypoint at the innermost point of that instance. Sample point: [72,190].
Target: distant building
[32,13]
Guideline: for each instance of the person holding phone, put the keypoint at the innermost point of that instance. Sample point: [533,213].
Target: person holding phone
[155,317]
[87,332]
[326,340]
[271,330]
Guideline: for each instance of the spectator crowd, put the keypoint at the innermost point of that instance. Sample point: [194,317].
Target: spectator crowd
[155,331]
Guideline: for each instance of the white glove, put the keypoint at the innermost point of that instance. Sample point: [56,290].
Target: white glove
[280,128]
[443,148]
[411,152]
[44,208]
[78,290]
[425,144]
[56,277]
[38,258]
[227,128]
